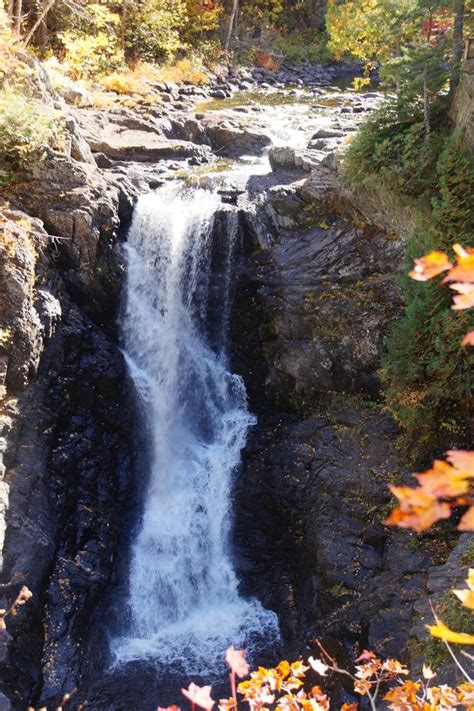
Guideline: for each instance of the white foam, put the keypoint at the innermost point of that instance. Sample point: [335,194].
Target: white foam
[184,599]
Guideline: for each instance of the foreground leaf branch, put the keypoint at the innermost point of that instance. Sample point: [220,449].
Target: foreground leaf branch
[287,687]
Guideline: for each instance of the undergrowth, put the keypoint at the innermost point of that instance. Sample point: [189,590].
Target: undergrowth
[426,374]
[27,125]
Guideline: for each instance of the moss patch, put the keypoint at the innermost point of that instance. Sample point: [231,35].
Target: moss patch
[249,98]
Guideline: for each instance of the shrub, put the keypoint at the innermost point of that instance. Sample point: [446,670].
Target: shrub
[301,46]
[426,375]
[183,71]
[26,126]
[89,56]
[392,145]
[123,84]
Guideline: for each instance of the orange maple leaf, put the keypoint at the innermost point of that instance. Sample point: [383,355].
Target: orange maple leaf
[464,269]
[468,339]
[418,510]
[467,521]
[430,266]
[464,299]
[444,480]
[461,459]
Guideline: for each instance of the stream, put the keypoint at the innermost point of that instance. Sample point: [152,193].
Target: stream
[183,602]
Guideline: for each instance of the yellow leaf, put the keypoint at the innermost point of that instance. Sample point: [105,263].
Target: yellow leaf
[441,631]
[283,668]
[466,597]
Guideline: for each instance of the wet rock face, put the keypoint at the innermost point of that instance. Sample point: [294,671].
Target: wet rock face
[309,510]
[29,310]
[70,471]
[65,421]
[315,297]
[326,294]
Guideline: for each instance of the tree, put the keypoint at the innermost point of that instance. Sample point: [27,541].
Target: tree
[152,31]
[459,8]
[40,24]
[419,70]
[369,30]
[232,23]
[411,36]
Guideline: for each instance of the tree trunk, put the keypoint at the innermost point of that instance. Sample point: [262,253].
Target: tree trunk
[17,19]
[232,21]
[47,5]
[42,32]
[123,25]
[426,105]
[457,45]
[11,10]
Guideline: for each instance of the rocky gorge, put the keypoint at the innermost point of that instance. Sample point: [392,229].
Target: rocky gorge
[315,292]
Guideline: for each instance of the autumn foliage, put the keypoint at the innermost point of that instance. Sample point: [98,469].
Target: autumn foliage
[460,276]
[448,484]
[267,61]
[290,686]
[440,489]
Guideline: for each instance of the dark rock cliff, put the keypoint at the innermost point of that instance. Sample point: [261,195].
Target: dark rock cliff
[66,420]
[316,295]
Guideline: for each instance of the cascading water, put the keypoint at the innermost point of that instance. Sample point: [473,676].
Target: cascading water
[184,601]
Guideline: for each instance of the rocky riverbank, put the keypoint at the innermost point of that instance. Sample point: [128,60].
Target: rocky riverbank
[315,294]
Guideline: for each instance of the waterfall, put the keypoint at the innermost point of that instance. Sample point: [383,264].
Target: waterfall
[184,601]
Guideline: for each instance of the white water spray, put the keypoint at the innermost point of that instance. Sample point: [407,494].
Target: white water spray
[184,600]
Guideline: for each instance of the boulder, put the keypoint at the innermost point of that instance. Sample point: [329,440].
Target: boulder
[74,93]
[231,141]
[284,157]
[139,144]
[328,133]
